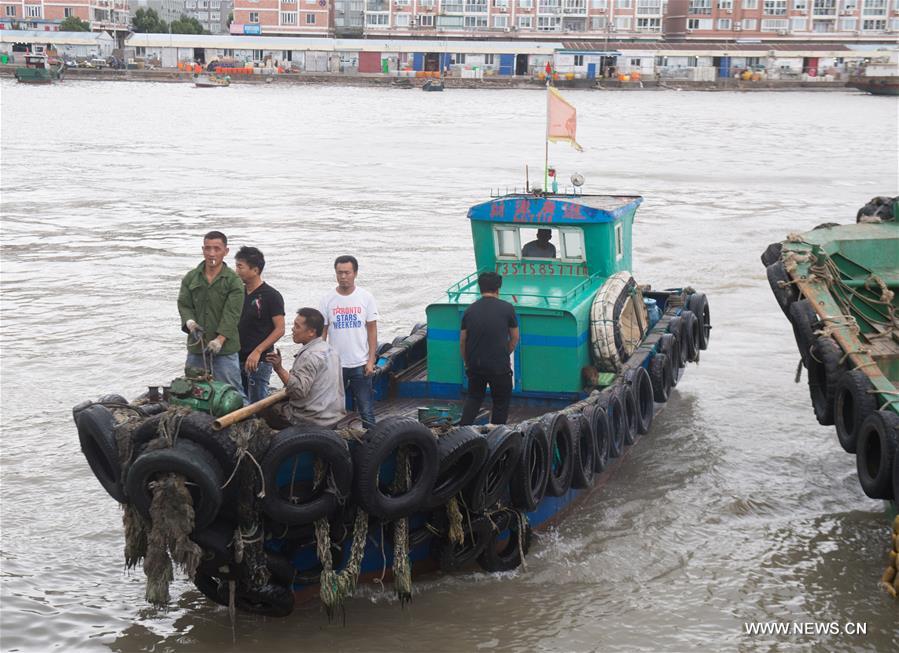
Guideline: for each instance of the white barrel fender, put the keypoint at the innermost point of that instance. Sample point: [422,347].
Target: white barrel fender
[617,321]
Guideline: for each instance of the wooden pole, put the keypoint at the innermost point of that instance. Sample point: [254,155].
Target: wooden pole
[248,411]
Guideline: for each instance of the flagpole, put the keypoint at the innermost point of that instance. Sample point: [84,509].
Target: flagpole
[546,143]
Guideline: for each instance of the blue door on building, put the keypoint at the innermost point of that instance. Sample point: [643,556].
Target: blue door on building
[506,64]
[591,71]
[723,67]
[418,61]
[445,61]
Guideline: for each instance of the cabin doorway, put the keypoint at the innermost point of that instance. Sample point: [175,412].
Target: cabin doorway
[432,62]
[521,64]
[200,55]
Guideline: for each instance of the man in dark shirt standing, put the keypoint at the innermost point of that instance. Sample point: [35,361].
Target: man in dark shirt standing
[488,336]
[261,323]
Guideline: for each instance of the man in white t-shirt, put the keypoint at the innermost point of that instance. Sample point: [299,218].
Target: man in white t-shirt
[351,327]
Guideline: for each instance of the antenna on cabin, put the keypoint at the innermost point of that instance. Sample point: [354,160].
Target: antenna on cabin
[527,182]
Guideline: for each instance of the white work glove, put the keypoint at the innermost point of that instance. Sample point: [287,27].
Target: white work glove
[214,346]
[191,325]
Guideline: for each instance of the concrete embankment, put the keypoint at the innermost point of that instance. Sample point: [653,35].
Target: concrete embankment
[348,79]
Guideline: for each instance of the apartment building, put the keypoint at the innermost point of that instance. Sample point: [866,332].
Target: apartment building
[649,20]
[108,15]
[211,14]
[167,10]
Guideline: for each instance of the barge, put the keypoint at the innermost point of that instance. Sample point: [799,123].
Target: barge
[837,285]
[259,519]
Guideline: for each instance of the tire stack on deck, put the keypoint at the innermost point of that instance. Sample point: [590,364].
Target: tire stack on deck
[841,396]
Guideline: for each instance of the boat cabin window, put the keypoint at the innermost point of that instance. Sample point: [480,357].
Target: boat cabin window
[552,243]
[619,241]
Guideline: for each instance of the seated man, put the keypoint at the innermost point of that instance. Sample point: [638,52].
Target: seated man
[540,248]
[315,394]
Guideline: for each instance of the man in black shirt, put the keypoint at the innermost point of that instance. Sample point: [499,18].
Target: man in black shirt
[261,323]
[488,336]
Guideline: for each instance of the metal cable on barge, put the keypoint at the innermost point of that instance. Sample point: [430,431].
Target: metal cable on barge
[258,517]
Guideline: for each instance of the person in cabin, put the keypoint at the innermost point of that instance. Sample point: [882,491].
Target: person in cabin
[351,326]
[540,248]
[314,384]
[209,303]
[488,336]
[261,323]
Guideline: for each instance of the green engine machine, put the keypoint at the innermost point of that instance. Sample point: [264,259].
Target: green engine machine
[197,392]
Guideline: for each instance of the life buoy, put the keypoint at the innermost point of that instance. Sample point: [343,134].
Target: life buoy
[506,544]
[878,441]
[641,386]
[610,400]
[561,454]
[292,493]
[853,403]
[381,445]
[602,432]
[462,453]
[824,370]
[584,451]
[528,483]
[97,436]
[492,479]
[199,468]
[617,321]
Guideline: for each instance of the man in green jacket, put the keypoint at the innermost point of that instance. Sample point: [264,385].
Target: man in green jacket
[210,302]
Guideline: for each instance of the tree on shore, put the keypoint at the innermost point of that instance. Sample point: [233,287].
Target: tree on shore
[74,24]
[147,21]
[187,25]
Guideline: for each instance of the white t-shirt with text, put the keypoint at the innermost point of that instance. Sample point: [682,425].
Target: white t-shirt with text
[345,317]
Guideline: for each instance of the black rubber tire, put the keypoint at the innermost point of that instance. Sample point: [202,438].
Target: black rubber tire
[824,371]
[804,320]
[632,419]
[641,386]
[113,400]
[784,295]
[418,325]
[281,569]
[462,452]
[584,451]
[215,540]
[896,476]
[878,440]
[381,443]
[772,254]
[505,554]
[528,482]
[610,402]
[660,377]
[503,456]
[270,600]
[383,348]
[852,406]
[97,436]
[453,557]
[561,454]
[398,341]
[692,337]
[602,432]
[196,427]
[211,587]
[698,304]
[323,444]
[676,326]
[670,346]
[199,468]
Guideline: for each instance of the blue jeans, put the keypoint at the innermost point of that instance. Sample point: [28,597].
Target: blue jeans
[225,368]
[359,388]
[255,384]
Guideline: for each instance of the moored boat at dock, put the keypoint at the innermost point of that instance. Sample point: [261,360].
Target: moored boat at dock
[258,517]
[38,69]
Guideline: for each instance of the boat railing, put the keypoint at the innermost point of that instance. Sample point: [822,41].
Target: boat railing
[468,287]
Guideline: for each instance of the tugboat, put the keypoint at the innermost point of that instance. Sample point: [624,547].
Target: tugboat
[879,76]
[260,518]
[837,285]
[38,70]
[211,81]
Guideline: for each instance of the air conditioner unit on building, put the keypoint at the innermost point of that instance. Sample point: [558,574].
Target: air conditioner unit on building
[782,32]
[514,28]
[506,29]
